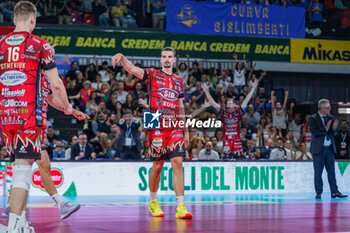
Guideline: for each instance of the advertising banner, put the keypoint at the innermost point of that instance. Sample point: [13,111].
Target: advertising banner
[131,178]
[320,51]
[235,19]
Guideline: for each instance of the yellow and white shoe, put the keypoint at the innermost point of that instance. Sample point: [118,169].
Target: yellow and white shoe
[155,209]
[182,213]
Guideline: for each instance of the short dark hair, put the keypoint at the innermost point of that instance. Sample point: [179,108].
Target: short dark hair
[281,139]
[168,49]
[127,111]
[105,63]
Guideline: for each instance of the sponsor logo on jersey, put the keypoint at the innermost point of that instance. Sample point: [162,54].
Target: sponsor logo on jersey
[38,111]
[157,132]
[12,78]
[160,83]
[159,102]
[14,103]
[6,92]
[47,46]
[157,142]
[36,40]
[166,111]
[56,176]
[2,57]
[10,120]
[168,94]
[30,57]
[169,104]
[15,40]
[15,111]
[178,84]
[30,49]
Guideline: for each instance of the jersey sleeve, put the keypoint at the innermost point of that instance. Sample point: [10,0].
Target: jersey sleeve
[46,59]
[182,92]
[149,73]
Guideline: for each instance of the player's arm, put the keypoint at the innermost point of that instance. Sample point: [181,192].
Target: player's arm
[272,100]
[59,90]
[183,118]
[250,94]
[54,102]
[129,67]
[212,102]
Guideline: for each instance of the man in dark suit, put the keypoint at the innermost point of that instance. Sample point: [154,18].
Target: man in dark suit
[82,150]
[129,144]
[323,128]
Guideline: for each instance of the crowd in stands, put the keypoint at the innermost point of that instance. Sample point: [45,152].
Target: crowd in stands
[323,17]
[115,101]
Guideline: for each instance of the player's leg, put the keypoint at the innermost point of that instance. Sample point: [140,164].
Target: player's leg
[176,152]
[156,142]
[154,179]
[65,208]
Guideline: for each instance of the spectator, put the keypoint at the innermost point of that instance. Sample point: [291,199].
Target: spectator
[91,71]
[265,152]
[82,150]
[231,92]
[101,12]
[80,81]
[105,92]
[214,142]
[239,71]
[112,101]
[302,154]
[138,93]
[50,12]
[260,138]
[213,76]
[250,152]
[279,112]
[73,73]
[121,76]
[92,106]
[129,83]
[280,153]
[245,90]
[64,11]
[158,13]
[294,142]
[118,13]
[294,122]
[253,117]
[208,153]
[342,141]
[86,6]
[119,110]
[197,70]
[97,85]
[199,145]
[288,145]
[84,94]
[306,133]
[104,72]
[265,126]
[129,103]
[183,70]
[129,144]
[59,150]
[100,116]
[73,91]
[72,141]
[218,93]
[274,134]
[51,135]
[316,9]
[112,142]
[190,86]
[121,94]
[198,95]
[224,79]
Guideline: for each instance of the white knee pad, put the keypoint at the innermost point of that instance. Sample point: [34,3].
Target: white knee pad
[22,177]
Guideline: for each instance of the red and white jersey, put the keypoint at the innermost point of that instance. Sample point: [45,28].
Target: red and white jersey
[164,91]
[231,123]
[305,130]
[23,56]
[46,91]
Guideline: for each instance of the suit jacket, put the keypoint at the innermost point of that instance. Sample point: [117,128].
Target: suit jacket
[76,151]
[338,142]
[134,134]
[319,132]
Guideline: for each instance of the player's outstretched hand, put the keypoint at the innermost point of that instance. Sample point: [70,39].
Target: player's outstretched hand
[255,83]
[80,115]
[116,58]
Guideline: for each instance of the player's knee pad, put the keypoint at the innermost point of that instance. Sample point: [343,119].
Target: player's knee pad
[22,177]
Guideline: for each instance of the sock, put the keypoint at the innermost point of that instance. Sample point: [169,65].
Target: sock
[180,200]
[14,222]
[58,199]
[153,196]
[23,219]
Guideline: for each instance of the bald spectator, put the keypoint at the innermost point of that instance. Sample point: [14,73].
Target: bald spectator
[280,153]
[208,153]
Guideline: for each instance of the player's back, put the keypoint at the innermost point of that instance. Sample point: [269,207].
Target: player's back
[22,57]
